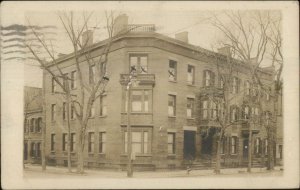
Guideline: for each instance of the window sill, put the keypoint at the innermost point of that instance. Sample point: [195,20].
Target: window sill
[137,113]
[139,155]
[102,116]
[174,81]
[235,154]
[101,153]
[190,118]
[170,116]
[191,84]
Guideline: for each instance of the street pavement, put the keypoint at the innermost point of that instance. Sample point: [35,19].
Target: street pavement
[54,172]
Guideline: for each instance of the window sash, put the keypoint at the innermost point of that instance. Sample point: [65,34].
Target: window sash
[52,142]
[53,111]
[73,142]
[172,105]
[172,70]
[139,142]
[191,74]
[73,79]
[171,143]
[102,142]
[190,107]
[233,145]
[103,107]
[139,62]
[91,142]
[65,141]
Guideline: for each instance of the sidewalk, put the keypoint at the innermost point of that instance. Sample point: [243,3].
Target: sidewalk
[36,171]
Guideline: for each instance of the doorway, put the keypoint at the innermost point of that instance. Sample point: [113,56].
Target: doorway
[245,148]
[189,145]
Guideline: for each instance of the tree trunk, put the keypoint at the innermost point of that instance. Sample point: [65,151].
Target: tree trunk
[69,133]
[270,165]
[44,128]
[80,160]
[218,157]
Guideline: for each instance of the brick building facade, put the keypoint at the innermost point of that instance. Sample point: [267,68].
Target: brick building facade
[33,118]
[170,114]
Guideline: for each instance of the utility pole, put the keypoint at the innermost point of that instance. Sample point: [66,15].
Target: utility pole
[129,150]
[249,148]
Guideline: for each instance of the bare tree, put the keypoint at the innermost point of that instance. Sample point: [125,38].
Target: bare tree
[88,92]
[248,35]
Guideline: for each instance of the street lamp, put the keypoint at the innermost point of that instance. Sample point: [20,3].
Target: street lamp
[131,82]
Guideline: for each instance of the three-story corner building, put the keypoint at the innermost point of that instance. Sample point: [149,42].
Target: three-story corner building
[33,118]
[170,112]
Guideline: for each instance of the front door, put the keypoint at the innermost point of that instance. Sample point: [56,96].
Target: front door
[189,145]
[245,148]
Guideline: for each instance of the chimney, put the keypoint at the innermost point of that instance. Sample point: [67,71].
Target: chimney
[121,23]
[225,51]
[182,36]
[87,38]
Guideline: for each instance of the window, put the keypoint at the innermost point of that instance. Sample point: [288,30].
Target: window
[92,111]
[256,112]
[248,88]
[246,112]
[234,113]
[91,142]
[257,146]
[37,125]
[214,110]
[140,101]
[103,108]
[64,111]
[235,85]
[32,125]
[223,145]
[53,112]
[172,105]
[171,143]
[172,70]
[52,142]
[64,141]
[209,78]
[139,63]
[190,108]
[233,145]
[92,74]
[191,74]
[39,128]
[38,150]
[267,96]
[139,142]
[73,142]
[267,115]
[102,141]
[33,150]
[73,79]
[72,112]
[65,79]
[221,82]
[266,146]
[205,109]
[136,102]
[54,85]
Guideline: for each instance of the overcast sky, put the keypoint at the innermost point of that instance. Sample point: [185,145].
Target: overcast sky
[169,18]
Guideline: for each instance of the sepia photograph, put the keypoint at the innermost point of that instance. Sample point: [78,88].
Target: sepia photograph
[150,94]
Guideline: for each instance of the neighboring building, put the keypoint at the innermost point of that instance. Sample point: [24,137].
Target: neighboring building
[33,121]
[171,113]
[279,132]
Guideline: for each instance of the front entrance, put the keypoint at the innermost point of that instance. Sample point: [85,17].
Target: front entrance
[245,148]
[189,145]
